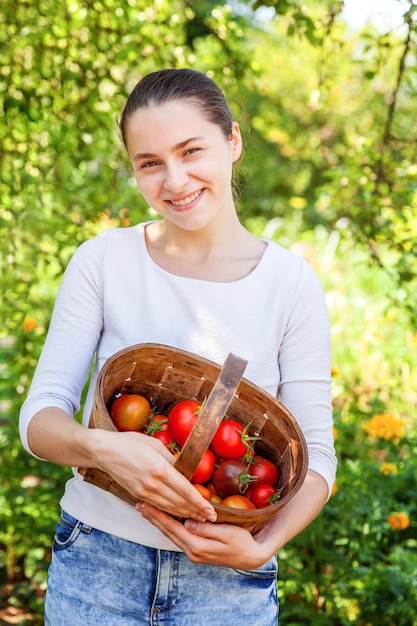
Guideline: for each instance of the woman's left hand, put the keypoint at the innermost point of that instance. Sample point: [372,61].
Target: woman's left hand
[217,544]
[232,546]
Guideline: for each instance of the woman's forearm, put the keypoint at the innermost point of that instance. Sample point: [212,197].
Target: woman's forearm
[297,514]
[56,437]
[141,464]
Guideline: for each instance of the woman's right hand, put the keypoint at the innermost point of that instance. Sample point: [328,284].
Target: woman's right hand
[145,468]
[139,463]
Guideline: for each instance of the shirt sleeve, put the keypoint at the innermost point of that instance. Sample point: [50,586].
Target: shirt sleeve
[71,342]
[305,366]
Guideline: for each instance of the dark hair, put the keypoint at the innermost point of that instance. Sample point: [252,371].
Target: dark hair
[163,86]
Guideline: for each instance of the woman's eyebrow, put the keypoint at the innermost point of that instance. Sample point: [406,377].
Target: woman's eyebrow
[178,146]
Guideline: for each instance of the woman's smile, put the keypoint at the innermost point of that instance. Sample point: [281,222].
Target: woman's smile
[187,202]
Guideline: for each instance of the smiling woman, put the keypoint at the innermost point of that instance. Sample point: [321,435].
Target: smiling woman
[183,167]
[187,280]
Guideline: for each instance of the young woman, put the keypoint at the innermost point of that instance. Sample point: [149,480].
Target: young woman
[197,280]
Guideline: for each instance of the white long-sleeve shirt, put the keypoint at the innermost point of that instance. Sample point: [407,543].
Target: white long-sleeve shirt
[113,295]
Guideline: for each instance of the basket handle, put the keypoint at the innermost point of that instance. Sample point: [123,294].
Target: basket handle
[211,415]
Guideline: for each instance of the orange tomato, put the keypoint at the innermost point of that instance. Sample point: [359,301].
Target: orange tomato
[203,490]
[238,502]
[130,412]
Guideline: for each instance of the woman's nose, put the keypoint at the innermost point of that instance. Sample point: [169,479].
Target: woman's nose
[176,178]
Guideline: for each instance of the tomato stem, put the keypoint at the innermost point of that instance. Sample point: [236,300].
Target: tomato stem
[249,442]
[153,426]
[244,480]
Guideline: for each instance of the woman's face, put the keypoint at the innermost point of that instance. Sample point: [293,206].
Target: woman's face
[182,162]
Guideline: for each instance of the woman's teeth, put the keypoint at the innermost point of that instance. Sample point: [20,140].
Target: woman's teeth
[186,200]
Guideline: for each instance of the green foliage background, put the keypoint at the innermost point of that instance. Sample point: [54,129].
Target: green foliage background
[329,118]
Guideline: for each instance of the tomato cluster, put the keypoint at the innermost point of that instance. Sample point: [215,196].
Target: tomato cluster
[230,472]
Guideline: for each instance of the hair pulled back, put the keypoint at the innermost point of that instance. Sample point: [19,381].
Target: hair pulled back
[163,86]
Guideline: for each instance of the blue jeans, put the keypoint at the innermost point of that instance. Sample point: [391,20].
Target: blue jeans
[96,579]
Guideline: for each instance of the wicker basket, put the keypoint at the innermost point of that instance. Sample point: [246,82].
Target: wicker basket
[167,375]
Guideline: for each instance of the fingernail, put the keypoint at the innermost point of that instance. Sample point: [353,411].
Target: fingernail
[211,515]
[190,524]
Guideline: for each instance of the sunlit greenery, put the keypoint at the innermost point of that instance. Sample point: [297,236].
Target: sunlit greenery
[329,118]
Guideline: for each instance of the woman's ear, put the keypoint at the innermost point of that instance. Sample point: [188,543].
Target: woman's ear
[236,142]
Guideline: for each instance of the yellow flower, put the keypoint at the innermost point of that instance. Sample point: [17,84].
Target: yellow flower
[29,323]
[385,426]
[399,521]
[335,433]
[388,468]
[335,488]
[335,371]
[297,202]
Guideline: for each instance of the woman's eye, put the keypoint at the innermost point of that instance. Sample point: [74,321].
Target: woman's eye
[149,164]
[191,151]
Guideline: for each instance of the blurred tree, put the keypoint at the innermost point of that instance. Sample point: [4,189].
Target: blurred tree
[336,114]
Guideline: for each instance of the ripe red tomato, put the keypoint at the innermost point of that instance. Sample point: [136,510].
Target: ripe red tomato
[238,502]
[160,420]
[230,477]
[182,418]
[263,495]
[130,412]
[204,469]
[265,471]
[164,436]
[228,442]
[156,423]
